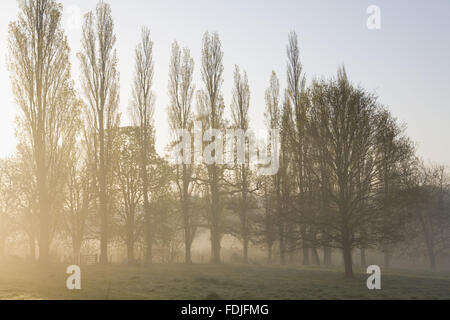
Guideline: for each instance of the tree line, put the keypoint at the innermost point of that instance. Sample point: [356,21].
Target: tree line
[348,179]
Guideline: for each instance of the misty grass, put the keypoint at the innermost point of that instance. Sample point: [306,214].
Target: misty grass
[228,282]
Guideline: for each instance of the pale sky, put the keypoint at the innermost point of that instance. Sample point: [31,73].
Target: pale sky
[407,62]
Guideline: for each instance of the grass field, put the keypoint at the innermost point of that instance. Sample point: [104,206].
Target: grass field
[230,282]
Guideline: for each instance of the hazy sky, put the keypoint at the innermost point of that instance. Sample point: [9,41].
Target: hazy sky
[407,62]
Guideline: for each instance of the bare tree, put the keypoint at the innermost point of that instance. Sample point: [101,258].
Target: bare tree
[181,91]
[344,130]
[271,185]
[211,108]
[277,116]
[269,219]
[429,201]
[285,182]
[239,112]
[142,111]
[100,83]
[129,183]
[394,151]
[42,86]
[79,201]
[295,89]
[9,201]
[26,193]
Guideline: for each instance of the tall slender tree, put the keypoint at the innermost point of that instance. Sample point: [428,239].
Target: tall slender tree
[100,83]
[285,191]
[142,111]
[240,118]
[273,118]
[181,91]
[43,89]
[295,90]
[211,108]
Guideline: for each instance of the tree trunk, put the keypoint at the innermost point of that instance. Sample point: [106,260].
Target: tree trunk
[430,252]
[429,240]
[215,245]
[244,221]
[348,264]
[130,237]
[76,252]
[186,218]
[269,253]
[291,244]
[363,258]
[187,254]
[44,233]
[102,195]
[148,218]
[432,261]
[327,260]
[282,243]
[305,247]
[315,256]
[347,253]
[215,218]
[130,252]
[245,249]
[305,256]
[280,217]
[44,208]
[314,253]
[149,239]
[103,230]
[215,241]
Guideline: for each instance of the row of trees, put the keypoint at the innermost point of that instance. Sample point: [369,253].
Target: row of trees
[348,177]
